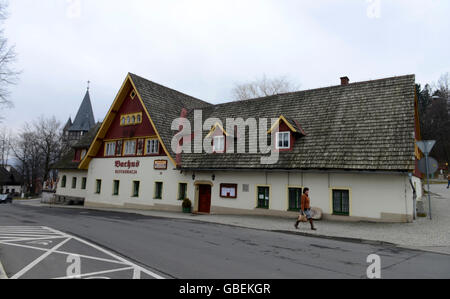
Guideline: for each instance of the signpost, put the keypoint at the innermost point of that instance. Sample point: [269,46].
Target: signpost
[426,147]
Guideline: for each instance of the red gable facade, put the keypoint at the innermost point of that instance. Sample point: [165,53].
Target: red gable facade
[131,133]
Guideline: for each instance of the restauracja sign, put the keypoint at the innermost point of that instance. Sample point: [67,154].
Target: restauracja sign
[128,165]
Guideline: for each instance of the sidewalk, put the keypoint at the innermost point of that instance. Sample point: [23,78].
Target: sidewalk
[424,234]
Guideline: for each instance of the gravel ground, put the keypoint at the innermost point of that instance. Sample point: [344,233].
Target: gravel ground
[431,235]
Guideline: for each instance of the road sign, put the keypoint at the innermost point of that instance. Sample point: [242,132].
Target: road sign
[426,146]
[433,165]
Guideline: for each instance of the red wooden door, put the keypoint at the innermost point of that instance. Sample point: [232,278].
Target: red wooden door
[204,204]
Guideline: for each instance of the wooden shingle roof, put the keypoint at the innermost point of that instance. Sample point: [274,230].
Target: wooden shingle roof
[361,126]
[364,126]
[66,162]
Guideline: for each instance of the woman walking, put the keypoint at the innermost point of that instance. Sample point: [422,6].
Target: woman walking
[306,209]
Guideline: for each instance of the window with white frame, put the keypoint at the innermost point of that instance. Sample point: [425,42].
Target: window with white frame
[152,147]
[110,149]
[130,148]
[219,144]
[284,140]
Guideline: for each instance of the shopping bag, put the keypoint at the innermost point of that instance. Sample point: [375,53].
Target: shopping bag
[302,218]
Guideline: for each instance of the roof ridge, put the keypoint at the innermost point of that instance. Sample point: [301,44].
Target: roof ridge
[169,88]
[317,89]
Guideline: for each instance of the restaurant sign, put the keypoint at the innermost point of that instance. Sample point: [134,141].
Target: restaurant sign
[160,165]
[128,167]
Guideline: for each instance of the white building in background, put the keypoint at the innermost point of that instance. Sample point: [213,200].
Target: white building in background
[11,181]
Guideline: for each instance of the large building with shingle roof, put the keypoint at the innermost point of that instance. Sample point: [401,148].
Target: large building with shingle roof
[353,145]
[72,181]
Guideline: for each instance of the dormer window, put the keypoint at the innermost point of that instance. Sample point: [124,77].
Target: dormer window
[219,144]
[283,140]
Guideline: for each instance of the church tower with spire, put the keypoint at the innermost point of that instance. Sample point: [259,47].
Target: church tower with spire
[84,121]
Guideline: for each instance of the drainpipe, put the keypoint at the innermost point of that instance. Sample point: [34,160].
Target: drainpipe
[414,196]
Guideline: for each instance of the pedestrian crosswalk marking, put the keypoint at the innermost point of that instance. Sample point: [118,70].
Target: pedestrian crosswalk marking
[32,237]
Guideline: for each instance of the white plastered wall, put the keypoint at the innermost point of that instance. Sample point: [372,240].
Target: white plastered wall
[371,194]
[68,190]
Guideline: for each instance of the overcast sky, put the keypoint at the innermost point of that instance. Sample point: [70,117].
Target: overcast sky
[203,48]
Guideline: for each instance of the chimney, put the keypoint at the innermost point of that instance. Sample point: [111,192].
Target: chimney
[345,81]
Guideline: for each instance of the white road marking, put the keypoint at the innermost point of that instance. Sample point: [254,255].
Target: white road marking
[12,239]
[96,273]
[39,259]
[41,235]
[67,253]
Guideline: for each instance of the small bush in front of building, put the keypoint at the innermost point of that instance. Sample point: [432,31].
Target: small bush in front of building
[187,205]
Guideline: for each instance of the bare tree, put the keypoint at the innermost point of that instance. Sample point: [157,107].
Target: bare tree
[49,136]
[5,146]
[263,87]
[8,75]
[36,148]
[443,86]
[26,151]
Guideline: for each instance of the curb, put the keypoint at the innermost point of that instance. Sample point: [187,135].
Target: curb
[2,272]
[304,234]
[337,238]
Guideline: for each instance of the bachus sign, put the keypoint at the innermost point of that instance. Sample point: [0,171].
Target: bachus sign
[127,167]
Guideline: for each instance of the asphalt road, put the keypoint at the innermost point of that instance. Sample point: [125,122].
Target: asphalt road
[186,249]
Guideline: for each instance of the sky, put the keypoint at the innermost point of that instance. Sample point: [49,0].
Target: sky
[204,47]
